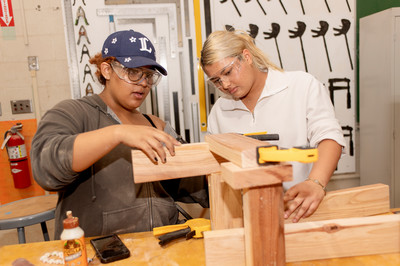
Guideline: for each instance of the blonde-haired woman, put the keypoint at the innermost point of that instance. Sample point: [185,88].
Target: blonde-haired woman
[259,96]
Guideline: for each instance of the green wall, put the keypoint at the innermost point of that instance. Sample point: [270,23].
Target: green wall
[368,7]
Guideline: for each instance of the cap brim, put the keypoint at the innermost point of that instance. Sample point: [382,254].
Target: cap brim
[138,61]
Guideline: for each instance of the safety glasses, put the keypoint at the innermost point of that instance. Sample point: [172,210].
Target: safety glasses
[227,73]
[136,75]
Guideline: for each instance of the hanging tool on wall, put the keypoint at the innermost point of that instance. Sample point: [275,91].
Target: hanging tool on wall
[85,50]
[348,5]
[327,6]
[89,89]
[259,4]
[333,87]
[276,28]
[86,71]
[321,31]
[284,9]
[80,13]
[346,24]
[253,32]
[350,135]
[298,33]
[83,1]
[233,2]
[193,228]
[82,32]
[302,7]
[272,153]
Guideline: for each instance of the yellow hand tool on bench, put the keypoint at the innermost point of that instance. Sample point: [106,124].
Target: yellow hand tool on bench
[191,228]
[272,153]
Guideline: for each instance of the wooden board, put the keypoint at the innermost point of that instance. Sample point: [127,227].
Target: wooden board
[238,149]
[239,178]
[351,202]
[263,225]
[28,206]
[189,160]
[225,204]
[144,249]
[316,240]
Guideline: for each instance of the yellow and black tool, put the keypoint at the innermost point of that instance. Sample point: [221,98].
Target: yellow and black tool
[272,153]
[262,136]
[191,228]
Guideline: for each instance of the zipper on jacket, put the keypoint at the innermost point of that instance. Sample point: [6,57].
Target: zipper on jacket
[150,206]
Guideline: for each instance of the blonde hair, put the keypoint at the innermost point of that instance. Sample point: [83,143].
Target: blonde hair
[222,44]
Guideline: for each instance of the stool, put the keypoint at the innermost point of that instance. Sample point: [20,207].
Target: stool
[29,211]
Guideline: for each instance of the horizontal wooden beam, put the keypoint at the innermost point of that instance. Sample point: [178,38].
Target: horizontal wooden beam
[239,178]
[236,148]
[189,160]
[351,202]
[314,240]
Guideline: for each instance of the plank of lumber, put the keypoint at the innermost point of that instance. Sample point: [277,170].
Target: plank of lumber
[263,225]
[240,150]
[315,240]
[224,247]
[189,160]
[351,202]
[225,204]
[239,178]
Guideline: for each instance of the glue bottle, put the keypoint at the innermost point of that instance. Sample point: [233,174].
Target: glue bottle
[73,237]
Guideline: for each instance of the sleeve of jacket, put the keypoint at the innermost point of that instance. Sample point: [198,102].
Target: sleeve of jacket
[52,145]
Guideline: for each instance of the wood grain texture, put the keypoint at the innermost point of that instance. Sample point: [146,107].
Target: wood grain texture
[225,204]
[221,250]
[28,206]
[238,149]
[263,225]
[239,178]
[339,238]
[351,202]
[189,160]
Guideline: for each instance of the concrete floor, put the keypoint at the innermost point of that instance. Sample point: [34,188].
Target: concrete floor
[33,233]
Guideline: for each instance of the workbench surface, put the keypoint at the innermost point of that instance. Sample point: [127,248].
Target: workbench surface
[145,250]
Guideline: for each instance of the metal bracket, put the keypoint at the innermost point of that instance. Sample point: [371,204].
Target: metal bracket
[33,63]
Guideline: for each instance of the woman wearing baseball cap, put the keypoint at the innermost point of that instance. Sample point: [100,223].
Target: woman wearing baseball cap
[82,148]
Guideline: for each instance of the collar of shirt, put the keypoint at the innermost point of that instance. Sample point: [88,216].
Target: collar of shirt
[274,84]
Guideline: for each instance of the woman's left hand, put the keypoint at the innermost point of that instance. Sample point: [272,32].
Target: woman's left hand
[302,200]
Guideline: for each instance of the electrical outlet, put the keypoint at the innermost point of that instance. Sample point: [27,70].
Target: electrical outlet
[21,107]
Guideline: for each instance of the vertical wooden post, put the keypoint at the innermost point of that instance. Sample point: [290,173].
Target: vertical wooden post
[264,225]
[225,204]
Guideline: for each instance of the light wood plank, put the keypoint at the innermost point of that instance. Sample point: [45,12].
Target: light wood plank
[316,240]
[343,237]
[225,204]
[239,178]
[351,202]
[189,160]
[224,247]
[238,149]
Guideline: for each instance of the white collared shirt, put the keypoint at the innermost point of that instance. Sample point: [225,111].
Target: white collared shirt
[294,105]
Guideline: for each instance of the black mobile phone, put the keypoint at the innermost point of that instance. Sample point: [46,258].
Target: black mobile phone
[110,248]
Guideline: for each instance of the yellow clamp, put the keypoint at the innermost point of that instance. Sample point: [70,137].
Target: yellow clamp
[198,224]
[272,153]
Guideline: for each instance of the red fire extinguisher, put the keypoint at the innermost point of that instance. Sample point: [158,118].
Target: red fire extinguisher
[17,155]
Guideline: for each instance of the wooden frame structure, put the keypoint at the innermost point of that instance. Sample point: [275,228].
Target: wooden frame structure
[247,200]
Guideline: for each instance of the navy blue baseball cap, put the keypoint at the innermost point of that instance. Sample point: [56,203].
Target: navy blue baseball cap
[132,49]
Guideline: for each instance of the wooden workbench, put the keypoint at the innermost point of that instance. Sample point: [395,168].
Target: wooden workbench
[145,250]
